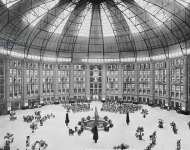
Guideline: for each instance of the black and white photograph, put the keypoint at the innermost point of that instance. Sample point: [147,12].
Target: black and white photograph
[94,74]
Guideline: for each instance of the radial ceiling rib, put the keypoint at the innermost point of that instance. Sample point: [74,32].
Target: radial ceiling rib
[18,10]
[26,29]
[42,27]
[113,26]
[122,31]
[12,21]
[3,8]
[148,24]
[70,40]
[49,36]
[67,39]
[140,27]
[177,34]
[96,40]
[174,8]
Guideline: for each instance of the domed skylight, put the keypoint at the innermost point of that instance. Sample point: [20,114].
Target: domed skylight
[96,28]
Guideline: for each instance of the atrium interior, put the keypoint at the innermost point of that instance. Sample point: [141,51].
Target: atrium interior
[94,63]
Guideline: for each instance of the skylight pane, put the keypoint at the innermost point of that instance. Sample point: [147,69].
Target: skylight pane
[9,3]
[61,20]
[85,28]
[37,20]
[185,3]
[159,15]
[59,29]
[131,19]
[32,17]
[106,26]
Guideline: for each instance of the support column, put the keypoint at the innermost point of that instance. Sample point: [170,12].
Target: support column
[5,100]
[71,82]
[186,84]
[136,97]
[104,73]
[40,82]
[120,82]
[24,91]
[55,81]
[168,83]
[87,81]
[152,90]
[7,85]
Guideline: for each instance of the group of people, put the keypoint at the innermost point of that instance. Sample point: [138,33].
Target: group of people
[121,108]
[153,141]
[76,130]
[39,118]
[12,115]
[37,145]
[8,138]
[77,107]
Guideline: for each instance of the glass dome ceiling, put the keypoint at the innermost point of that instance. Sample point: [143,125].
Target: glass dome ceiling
[96,28]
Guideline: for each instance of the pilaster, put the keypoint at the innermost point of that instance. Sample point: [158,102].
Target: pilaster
[71,82]
[24,91]
[40,74]
[6,101]
[168,81]
[7,85]
[136,97]
[152,90]
[186,84]
[104,73]
[55,81]
[87,81]
[120,79]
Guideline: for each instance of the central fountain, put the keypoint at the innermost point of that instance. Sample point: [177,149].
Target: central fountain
[102,123]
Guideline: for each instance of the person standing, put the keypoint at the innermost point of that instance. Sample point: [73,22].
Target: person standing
[67,119]
[27,142]
[95,133]
[127,118]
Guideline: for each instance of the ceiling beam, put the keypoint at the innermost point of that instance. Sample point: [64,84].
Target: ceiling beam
[41,29]
[96,39]
[123,34]
[152,30]
[69,34]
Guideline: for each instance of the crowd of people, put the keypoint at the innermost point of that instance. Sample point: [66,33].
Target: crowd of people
[77,107]
[121,108]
